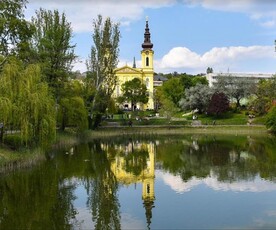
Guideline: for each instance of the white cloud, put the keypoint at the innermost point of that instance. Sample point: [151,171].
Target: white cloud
[179,186]
[181,59]
[219,58]
[268,24]
[82,12]
[257,9]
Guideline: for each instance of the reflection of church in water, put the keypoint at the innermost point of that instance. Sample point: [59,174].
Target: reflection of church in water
[146,176]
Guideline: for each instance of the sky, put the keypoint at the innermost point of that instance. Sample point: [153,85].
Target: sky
[188,35]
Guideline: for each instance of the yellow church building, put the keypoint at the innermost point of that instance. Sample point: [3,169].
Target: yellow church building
[145,73]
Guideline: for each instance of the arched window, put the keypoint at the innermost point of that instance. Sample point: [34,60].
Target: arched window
[147,61]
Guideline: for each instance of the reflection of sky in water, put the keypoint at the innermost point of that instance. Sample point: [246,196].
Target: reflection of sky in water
[179,186]
[131,208]
[198,203]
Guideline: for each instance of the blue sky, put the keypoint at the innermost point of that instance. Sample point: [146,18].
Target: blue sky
[188,35]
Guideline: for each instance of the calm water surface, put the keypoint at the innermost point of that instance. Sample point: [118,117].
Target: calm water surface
[200,182]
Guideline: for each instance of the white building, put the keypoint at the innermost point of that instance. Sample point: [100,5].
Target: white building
[212,77]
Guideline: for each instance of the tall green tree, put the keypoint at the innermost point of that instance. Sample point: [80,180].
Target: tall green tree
[26,103]
[134,91]
[71,109]
[102,62]
[52,47]
[173,90]
[15,31]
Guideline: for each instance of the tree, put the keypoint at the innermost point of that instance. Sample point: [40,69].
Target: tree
[219,104]
[209,70]
[265,95]
[52,47]
[197,97]
[72,110]
[26,103]
[15,31]
[134,91]
[103,60]
[199,80]
[173,90]
[271,120]
[235,87]
[186,81]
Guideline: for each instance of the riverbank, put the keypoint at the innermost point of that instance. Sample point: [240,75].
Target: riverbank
[11,159]
[178,129]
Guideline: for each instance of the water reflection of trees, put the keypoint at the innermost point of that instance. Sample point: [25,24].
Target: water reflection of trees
[227,158]
[32,199]
[44,196]
[102,190]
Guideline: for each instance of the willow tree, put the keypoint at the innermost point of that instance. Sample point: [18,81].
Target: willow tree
[72,110]
[53,47]
[102,62]
[27,104]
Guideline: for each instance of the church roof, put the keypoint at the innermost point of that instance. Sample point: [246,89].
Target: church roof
[147,45]
[128,69]
[159,78]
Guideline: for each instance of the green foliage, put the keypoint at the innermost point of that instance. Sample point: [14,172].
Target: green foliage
[102,62]
[271,120]
[265,96]
[173,90]
[134,91]
[26,104]
[52,46]
[168,108]
[72,110]
[15,31]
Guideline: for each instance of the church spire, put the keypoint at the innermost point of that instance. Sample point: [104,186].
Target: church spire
[147,45]
[134,63]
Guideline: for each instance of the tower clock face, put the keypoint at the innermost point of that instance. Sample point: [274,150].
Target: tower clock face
[147,52]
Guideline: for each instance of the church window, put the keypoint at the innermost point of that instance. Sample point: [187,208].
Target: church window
[147,61]
[148,189]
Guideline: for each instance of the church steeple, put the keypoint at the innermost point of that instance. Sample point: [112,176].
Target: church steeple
[134,63]
[147,45]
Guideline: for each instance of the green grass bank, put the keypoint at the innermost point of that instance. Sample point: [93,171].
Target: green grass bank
[11,159]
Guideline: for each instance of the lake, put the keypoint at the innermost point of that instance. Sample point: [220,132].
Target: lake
[146,182]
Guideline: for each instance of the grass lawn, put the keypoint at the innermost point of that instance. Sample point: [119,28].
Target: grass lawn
[229,118]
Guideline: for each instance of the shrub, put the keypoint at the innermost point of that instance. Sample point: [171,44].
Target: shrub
[271,120]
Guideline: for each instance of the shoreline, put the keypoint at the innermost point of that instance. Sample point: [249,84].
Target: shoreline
[14,159]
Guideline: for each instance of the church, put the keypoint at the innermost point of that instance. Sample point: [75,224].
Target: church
[145,73]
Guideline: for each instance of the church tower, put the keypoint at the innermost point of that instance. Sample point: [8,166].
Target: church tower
[147,65]
[147,52]
[148,194]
